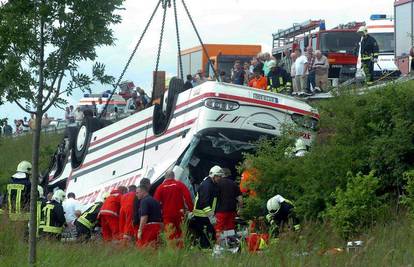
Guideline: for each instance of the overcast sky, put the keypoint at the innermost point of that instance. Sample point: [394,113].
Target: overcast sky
[218,21]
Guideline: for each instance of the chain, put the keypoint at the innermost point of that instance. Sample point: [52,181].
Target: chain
[131,57]
[180,61]
[159,49]
[216,77]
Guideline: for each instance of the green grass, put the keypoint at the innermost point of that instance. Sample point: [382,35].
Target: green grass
[389,244]
[14,150]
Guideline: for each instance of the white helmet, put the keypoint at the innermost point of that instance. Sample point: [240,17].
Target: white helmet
[272,64]
[216,171]
[59,195]
[273,205]
[102,197]
[300,145]
[40,191]
[363,29]
[25,167]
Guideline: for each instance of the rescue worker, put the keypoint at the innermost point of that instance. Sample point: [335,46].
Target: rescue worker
[136,219]
[52,218]
[278,79]
[150,224]
[87,221]
[299,150]
[18,192]
[175,199]
[281,213]
[229,199]
[259,81]
[109,214]
[126,214]
[369,54]
[204,207]
[41,203]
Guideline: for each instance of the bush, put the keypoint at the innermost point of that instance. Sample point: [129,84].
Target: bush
[361,134]
[357,206]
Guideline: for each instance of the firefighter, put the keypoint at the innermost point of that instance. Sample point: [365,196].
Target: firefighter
[369,54]
[204,207]
[150,224]
[281,213]
[41,203]
[87,221]
[175,199]
[229,199]
[18,192]
[109,215]
[278,79]
[52,218]
[126,214]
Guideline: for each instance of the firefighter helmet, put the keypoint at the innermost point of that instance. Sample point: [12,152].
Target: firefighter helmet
[272,64]
[273,205]
[216,171]
[24,166]
[59,195]
[363,29]
[300,145]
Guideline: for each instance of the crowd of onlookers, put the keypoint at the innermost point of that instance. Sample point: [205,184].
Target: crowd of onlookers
[22,126]
[296,73]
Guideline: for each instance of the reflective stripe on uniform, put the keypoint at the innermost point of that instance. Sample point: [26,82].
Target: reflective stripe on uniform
[84,221]
[18,188]
[204,212]
[45,225]
[108,212]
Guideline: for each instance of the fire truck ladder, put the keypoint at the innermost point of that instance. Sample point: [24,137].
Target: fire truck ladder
[286,36]
[165,4]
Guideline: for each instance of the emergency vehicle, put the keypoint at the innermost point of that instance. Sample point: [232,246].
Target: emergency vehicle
[381,27]
[339,45]
[115,106]
[191,131]
[404,33]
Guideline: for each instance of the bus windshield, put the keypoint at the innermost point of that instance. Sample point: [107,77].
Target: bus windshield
[339,42]
[385,41]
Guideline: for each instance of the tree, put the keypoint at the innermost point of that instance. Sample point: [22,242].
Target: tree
[42,43]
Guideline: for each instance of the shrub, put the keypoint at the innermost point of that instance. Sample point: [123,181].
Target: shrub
[357,206]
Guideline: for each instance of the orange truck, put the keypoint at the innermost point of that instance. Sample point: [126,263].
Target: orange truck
[222,57]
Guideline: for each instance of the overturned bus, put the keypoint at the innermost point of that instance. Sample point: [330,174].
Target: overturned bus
[192,130]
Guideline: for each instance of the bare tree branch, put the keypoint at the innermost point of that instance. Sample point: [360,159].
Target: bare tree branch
[23,108]
[56,96]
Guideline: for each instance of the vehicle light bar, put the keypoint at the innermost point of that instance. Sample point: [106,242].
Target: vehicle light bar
[219,104]
[378,17]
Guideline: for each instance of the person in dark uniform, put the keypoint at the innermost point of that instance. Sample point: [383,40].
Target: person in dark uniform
[204,206]
[87,221]
[150,225]
[281,213]
[369,54]
[52,217]
[18,192]
[278,79]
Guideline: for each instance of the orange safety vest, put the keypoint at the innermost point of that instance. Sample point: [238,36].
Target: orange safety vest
[248,177]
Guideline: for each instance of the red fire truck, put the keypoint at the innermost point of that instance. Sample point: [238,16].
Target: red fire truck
[339,44]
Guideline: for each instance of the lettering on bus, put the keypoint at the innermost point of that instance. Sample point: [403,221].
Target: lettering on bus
[265,98]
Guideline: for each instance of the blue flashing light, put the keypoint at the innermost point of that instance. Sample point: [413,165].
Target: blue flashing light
[322,26]
[378,17]
[86,95]
[105,95]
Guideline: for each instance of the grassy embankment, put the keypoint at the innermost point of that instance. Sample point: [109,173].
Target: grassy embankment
[388,244]
[14,150]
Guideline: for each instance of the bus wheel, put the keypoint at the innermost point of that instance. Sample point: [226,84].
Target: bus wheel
[81,143]
[163,114]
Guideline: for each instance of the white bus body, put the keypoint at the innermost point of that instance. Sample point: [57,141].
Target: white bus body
[212,123]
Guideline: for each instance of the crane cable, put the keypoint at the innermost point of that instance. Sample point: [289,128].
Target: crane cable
[130,58]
